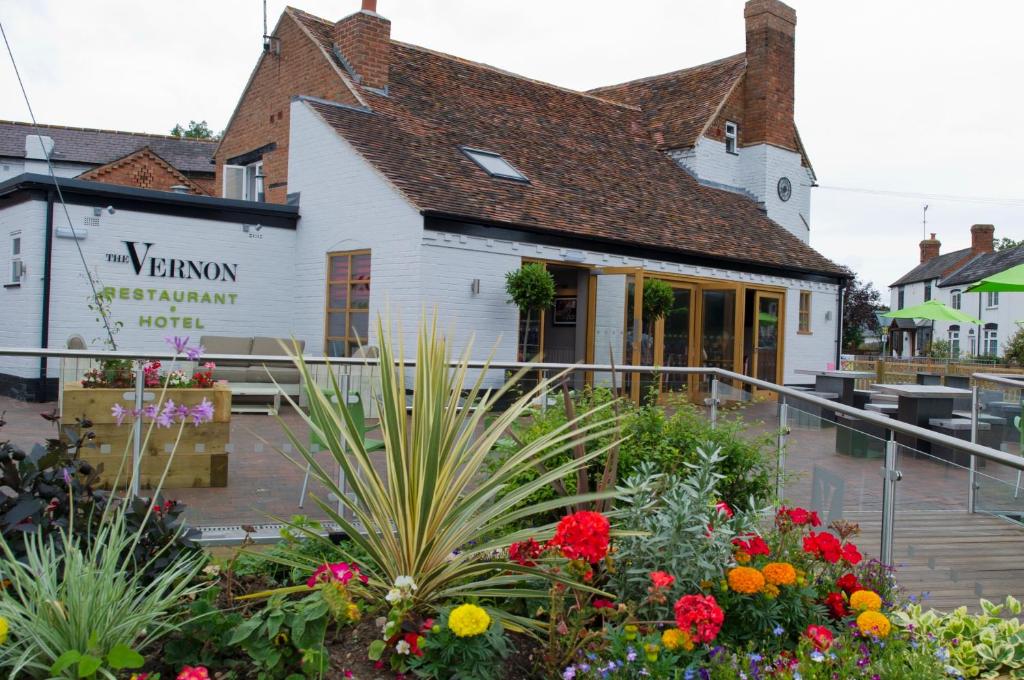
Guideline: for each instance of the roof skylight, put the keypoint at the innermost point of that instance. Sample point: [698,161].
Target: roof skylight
[494,164]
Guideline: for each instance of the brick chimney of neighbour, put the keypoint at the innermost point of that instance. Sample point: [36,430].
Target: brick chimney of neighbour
[930,249]
[364,40]
[982,236]
[768,89]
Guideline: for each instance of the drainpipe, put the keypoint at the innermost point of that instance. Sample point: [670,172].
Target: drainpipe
[44,340]
[839,326]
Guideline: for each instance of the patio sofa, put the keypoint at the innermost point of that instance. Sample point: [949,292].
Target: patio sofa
[243,375]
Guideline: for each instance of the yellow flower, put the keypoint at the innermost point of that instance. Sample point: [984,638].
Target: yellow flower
[873,623]
[706,585]
[779,573]
[631,631]
[771,591]
[651,650]
[742,557]
[469,620]
[865,600]
[352,611]
[4,627]
[745,580]
[675,639]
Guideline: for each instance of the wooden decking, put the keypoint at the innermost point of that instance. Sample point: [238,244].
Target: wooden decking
[952,557]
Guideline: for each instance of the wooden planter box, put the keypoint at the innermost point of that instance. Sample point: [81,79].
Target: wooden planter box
[201,459]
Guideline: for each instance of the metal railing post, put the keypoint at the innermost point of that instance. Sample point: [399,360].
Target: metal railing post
[781,451]
[544,392]
[890,476]
[972,469]
[714,402]
[140,390]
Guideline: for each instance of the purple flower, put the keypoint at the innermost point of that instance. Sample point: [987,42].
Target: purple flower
[149,411]
[67,476]
[119,412]
[193,353]
[166,417]
[203,413]
[569,673]
[630,654]
[179,343]
[181,413]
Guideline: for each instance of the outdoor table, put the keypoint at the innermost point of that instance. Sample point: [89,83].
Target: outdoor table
[842,383]
[920,403]
[925,378]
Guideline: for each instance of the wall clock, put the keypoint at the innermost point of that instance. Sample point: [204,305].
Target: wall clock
[785,188]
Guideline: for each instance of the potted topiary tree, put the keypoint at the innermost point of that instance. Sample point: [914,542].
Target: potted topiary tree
[658,299]
[531,288]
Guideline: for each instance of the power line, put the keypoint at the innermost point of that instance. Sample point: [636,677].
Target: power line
[60,194]
[986,200]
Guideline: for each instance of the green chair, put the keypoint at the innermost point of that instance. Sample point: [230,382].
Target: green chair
[358,413]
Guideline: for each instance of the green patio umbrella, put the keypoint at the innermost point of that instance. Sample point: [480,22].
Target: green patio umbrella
[1008,281]
[934,311]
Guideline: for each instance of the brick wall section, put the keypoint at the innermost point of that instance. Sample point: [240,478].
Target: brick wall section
[208,185]
[144,170]
[981,239]
[930,248]
[768,92]
[731,111]
[262,114]
[364,39]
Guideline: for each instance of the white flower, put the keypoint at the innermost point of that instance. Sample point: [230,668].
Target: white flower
[402,647]
[405,583]
[394,595]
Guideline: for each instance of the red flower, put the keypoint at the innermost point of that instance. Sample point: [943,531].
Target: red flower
[825,546]
[194,673]
[700,616]
[603,604]
[820,636]
[661,579]
[426,626]
[849,584]
[414,643]
[723,507]
[583,536]
[754,546]
[851,554]
[836,605]
[797,516]
[526,552]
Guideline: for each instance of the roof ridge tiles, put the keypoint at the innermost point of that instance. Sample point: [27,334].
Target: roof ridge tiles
[154,135]
[667,74]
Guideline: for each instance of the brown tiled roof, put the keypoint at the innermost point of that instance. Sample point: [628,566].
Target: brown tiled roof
[99,147]
[935,268]
[678,105]
[592,168]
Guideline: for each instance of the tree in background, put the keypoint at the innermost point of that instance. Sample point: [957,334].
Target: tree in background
[195,130]
[1008,243]
[1014,352]
[860,304]
[531,288]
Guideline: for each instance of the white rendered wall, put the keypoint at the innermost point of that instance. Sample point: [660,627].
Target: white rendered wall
[755,170]
[346,204]
[12,167]
[21,306]
[466,257]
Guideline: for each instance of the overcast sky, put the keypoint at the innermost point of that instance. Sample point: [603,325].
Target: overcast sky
[914,96]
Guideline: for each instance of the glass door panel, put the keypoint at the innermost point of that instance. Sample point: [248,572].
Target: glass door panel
[675,339]
[767,310]
[718,329]
[612,323]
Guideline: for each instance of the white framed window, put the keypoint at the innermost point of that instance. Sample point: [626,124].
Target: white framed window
[927,291]
[900,297]
[17,269]
[954,341]
[992,301]
[732,137]
[954,299]
[990,340]
[244,182]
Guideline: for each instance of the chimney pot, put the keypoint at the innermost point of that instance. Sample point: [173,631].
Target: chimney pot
[370,6]
[930,248]
[982,237]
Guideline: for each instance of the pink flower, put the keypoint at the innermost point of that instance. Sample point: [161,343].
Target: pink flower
[194,673]
[119,412]
[339,572]
[723,507]
[661,579]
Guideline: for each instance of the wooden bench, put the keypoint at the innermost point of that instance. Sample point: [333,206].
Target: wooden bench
[961,429]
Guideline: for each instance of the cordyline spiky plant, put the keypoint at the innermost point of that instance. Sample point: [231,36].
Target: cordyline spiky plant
[434,513]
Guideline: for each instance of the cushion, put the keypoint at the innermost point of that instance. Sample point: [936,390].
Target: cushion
[272,346]
[230,373]
[283,375]
[227,344]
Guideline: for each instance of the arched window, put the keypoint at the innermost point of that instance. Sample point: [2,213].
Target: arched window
[990,340]
[954,298]
[954,340]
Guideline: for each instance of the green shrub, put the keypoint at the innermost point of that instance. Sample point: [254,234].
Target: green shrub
[1014,352]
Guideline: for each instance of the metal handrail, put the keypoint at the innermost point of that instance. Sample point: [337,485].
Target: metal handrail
[974,449]
[1001,379]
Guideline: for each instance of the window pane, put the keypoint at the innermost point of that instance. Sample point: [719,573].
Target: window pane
[16,246]
[336,348]
[339,268]
[360,324]
[359,298]
[338,296]
[234,181]
[336,324]
[360,267]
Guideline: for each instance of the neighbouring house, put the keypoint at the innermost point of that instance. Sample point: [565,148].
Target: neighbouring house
[944,276]
[131,159]
[410,180]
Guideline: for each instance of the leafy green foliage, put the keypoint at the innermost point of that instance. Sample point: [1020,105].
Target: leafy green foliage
[203,640]
[195,130]
[658,299]
[939,349]
[446,656]
[679,529]
[985,645]
[1008,243]
[530,288]
[285,637]
[1014,350]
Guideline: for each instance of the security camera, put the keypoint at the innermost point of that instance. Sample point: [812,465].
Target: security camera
[110,209]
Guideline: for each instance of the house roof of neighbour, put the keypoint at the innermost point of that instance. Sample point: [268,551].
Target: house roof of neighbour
[984,265]
[591,166]
[935,268]
[99,147]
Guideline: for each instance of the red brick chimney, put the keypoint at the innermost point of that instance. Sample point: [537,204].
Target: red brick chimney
[364,40]
[981,239]
[768,90]
[930,249]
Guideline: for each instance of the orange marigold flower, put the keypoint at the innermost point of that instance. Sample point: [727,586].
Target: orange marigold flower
[873,623]
[675,639]
[865,600]
[779,573]
[746,580]
[742,557]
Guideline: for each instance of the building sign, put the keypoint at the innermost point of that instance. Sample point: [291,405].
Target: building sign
[144,263]
[170,267]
